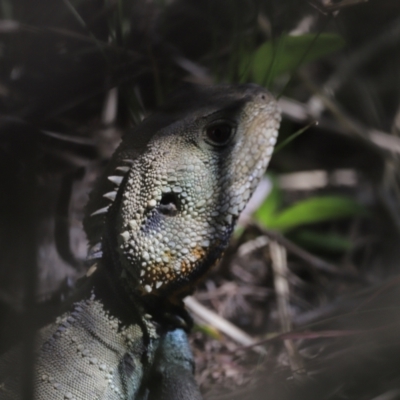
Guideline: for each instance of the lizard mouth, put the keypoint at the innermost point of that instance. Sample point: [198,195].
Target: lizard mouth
[170,205]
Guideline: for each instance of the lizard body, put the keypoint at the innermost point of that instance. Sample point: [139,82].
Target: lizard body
[160,216]
[84,355]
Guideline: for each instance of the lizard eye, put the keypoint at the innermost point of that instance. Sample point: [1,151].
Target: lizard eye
[219,134]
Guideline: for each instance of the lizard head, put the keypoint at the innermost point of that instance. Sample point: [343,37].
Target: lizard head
[178,183]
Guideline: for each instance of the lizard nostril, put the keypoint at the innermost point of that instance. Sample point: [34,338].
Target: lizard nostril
[169,205]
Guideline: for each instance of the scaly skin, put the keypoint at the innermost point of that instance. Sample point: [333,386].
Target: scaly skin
[158,219]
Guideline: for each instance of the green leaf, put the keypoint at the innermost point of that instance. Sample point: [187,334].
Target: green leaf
[327,242]
[208,330]
[314,210]
[288,53]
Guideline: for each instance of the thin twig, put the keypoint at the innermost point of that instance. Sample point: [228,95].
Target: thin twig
[226,327]
[309,258]
[301,113]
[11,26]
[343,4]
[379,139]
[389,395]
[389,37]
[280,271]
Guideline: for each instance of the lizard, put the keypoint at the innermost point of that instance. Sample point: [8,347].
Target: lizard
[159,217]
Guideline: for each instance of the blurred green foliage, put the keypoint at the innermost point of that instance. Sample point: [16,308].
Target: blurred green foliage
[286,54]
[307,212]
[322,241]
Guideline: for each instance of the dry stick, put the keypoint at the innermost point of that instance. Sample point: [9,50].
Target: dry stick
[10,26]
[329,9]
[348,123]
[280,271]
[226,327]
[309,258]
[379,139]
[27,205]
[389,395]
[389,37]
[343,4]
[301,113]
[376,140]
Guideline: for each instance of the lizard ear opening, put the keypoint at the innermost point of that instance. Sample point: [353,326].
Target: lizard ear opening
[169,205]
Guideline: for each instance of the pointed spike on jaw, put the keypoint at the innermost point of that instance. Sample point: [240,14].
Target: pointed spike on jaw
[110,195]
[133,224]
[115,179]
[96,247]
[125,236]
[123,169]
[100,211]
[95,252]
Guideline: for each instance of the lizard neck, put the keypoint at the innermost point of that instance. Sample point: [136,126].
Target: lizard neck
[114,297]
[128,306]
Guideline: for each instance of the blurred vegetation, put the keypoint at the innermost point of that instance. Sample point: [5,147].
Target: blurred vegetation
[75,74]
